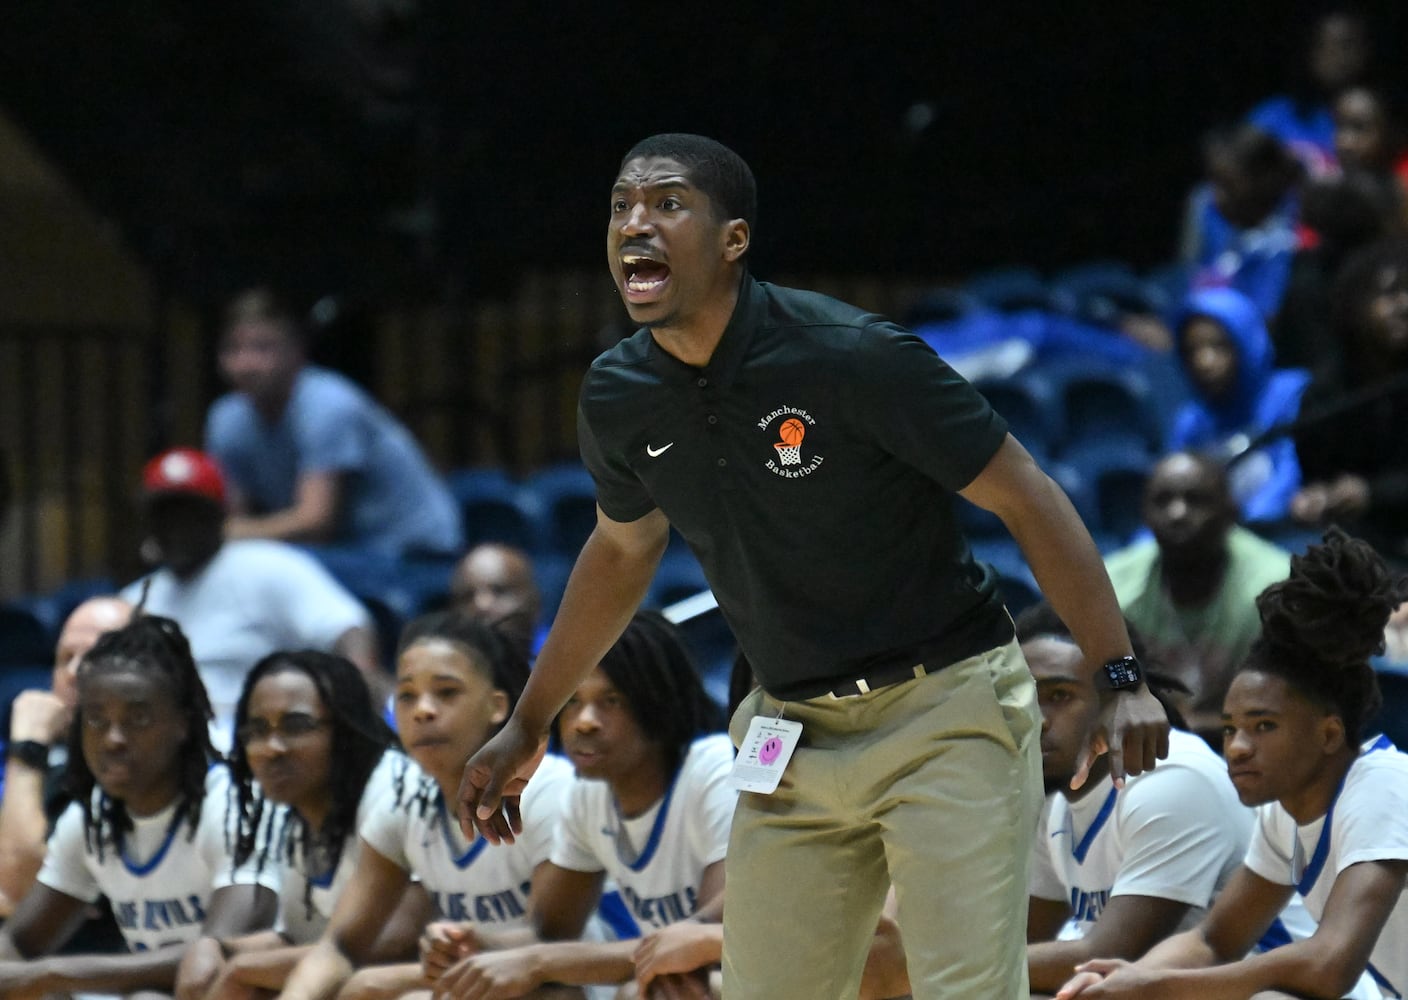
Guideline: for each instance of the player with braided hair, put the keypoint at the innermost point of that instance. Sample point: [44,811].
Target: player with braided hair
[650,810]
[1332,818]
[147,829]
[457,679]
[311,761]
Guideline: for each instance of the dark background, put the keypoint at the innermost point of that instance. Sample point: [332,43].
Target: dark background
[399,148]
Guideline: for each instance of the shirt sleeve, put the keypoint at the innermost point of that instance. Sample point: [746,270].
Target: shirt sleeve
[1043,882]
[572,846]
[1371,819]
[544,804]
[65,866]
[385,832]
[710,800]
[333,430]
[1179,837]
[619,492]
[920,410]
[1268,854]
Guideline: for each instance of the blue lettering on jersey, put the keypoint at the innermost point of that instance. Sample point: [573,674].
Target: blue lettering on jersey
[661,911]
[491,907]
[160,914]
[1086,906]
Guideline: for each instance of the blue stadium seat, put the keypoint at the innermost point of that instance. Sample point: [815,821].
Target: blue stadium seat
[1014,579]
[495,509]
[1101,292]
[678,576]
[567,497]
[550,572]
[24,640]
[1029,403]
[1110,405]
[940,305]
[1117,471]
[1012,289]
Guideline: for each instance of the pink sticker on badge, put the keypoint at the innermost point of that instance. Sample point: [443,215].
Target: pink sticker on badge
[770,750]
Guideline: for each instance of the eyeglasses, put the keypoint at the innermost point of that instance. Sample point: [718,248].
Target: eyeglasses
[290,727]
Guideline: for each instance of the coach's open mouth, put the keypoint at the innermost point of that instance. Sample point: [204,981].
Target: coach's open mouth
[644,276]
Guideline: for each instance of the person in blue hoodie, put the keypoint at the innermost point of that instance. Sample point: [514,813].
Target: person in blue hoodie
[1226,354]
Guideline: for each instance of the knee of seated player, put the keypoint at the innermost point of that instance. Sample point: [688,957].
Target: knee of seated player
[382,982]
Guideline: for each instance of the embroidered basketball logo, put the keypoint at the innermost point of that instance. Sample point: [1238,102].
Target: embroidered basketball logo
[793,457]
[789,449]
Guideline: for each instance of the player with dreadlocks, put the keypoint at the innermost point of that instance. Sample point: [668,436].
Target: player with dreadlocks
[1332,822]
[308,739]
[650,809]
[456,681]
[148,828]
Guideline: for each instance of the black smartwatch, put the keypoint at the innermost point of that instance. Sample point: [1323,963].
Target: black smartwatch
[1120,674]
[29,752]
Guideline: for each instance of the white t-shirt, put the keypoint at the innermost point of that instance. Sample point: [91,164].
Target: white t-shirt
[1177,832]
[1368,821]
[161,881]
[475,881]
[254,597]
[394,771]
[657,860]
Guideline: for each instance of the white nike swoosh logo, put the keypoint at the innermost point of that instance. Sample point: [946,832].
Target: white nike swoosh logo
[657,452]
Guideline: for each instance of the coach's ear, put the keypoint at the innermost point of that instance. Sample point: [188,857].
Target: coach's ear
[736,238]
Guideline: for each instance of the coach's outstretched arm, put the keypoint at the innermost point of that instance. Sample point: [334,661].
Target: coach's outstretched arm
[607,584]
[1133,727]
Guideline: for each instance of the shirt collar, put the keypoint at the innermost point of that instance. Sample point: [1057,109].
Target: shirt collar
[733,346]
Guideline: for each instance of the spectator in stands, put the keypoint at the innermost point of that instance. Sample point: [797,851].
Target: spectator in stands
[1339,54]
[36,792]
[456,681]
[1191,589]
[1371,134]
[1237,394]
[1352,445]
[1241,228]
[240,600]
[311,761]
[494,584]
[147,829]
[1332,817]
[1344,214]
[650,809]
[311,457]
[1114,871]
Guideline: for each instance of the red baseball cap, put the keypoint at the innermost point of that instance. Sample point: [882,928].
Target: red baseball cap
[184,471]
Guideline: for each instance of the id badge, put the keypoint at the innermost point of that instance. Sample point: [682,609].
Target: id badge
[763,757]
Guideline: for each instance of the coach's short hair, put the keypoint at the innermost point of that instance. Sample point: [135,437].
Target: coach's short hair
[714,168]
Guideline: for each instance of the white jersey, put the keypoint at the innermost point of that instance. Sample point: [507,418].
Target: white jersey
[1177,832]
[1368,821]
[160,882]
[657,859]
[475,881]
[394,771]
[254,597]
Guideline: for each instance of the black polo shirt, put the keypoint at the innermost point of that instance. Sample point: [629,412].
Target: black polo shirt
[810,466]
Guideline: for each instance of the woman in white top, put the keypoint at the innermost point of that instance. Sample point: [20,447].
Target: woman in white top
[147,828]
[456,682]
[312,759]
[1332,821]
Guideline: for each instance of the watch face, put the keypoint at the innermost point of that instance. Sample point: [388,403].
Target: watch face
[1123,673]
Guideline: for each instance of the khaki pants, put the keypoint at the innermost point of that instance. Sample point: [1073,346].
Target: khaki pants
[933,784]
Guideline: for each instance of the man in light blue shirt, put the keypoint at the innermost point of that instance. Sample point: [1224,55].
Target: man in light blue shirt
[309,455]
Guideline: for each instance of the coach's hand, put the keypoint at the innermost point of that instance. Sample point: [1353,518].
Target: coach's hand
[494,779]
[1132,729]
